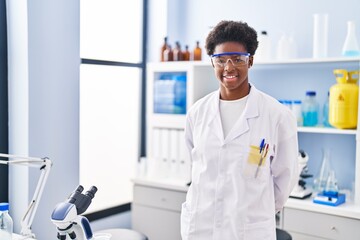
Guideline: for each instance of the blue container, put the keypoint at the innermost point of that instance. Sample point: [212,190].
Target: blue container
[310,109]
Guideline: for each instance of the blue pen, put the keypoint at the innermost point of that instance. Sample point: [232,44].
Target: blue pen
[262,144]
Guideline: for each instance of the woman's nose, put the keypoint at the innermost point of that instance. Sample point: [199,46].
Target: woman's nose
[229,64]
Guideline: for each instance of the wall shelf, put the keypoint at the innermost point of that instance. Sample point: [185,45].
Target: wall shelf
[326,130]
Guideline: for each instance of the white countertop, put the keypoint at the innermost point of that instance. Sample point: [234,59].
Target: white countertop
[348,209]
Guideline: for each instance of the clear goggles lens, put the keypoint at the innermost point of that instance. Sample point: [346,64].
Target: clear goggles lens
[237,59]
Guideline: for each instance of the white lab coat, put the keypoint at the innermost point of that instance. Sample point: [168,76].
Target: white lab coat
[225,200]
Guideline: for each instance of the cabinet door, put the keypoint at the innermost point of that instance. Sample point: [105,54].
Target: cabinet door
[319,225]
[155,223]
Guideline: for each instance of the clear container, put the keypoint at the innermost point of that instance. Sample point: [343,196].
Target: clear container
[351,47]
[263,51]
[320,35]
[310,109]
[296,109]
[326,112]
[6,222]
[320,181]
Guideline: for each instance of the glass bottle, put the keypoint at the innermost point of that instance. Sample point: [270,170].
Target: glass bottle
[351,47]
[163,48]
[197,52]
[331,184]
[177,53]
[320,181]
[6,222]
[310,109]
[186,54]
[168,54]
[326,112]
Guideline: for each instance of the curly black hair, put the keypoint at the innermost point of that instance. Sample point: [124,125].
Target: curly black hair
[232,31]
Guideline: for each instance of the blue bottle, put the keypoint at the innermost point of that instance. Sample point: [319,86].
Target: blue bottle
[310,109]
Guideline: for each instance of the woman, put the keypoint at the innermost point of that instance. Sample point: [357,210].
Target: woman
[243,147]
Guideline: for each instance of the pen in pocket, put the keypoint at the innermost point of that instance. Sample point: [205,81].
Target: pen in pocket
[263,152]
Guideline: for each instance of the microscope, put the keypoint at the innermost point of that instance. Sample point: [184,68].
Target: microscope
[300,191]
[66,215]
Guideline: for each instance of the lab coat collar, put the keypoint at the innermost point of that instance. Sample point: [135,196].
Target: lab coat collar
[241,126]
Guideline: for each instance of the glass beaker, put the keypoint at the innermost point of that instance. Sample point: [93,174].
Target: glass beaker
[331,184]
[321,180]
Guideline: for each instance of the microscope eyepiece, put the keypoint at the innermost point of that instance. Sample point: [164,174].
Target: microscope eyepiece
[91,192]
[79,189]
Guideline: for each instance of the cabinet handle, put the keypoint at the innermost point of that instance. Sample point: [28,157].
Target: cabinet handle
[333,228]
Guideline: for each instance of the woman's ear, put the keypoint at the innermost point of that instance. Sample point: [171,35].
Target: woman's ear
[251,61]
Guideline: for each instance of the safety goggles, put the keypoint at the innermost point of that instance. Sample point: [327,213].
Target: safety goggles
[238,59]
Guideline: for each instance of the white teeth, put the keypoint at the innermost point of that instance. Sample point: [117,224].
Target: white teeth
[230,76]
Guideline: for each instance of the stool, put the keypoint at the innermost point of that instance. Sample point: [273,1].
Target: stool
[123,234]
[282,235]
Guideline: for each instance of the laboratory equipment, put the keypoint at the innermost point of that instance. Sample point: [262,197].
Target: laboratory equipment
[6,222]
[296,109]
[263,52]
[330,196]
[45,166]
[320,181]
[197,52]
[326,112]
[66,215]
[310,109]
[343,103]
[163,48]
[351,47]
[320,36]
[300,191]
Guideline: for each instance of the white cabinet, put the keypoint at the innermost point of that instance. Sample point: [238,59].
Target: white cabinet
[313,225]
[166,154]
[156,209]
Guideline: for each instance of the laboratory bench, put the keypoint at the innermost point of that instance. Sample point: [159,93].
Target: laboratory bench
[157,203]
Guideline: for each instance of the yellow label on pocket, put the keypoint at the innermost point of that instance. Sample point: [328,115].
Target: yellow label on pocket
[254,155]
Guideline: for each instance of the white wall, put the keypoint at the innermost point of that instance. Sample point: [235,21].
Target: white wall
[44,99]
[189,21]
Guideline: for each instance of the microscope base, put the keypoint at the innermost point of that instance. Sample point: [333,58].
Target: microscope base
[301,194]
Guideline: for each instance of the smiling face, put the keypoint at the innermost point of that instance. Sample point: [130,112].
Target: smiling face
[234,83]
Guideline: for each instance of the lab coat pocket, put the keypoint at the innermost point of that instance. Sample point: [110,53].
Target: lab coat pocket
[185,221]
[263,230]
[255,165]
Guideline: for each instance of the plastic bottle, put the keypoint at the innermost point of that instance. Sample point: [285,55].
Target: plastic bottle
[186,54]
[296,109]
[263,52]
[163,48]
[197,52]
[310,109]
[6,222]
[351,47]
[326,112]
